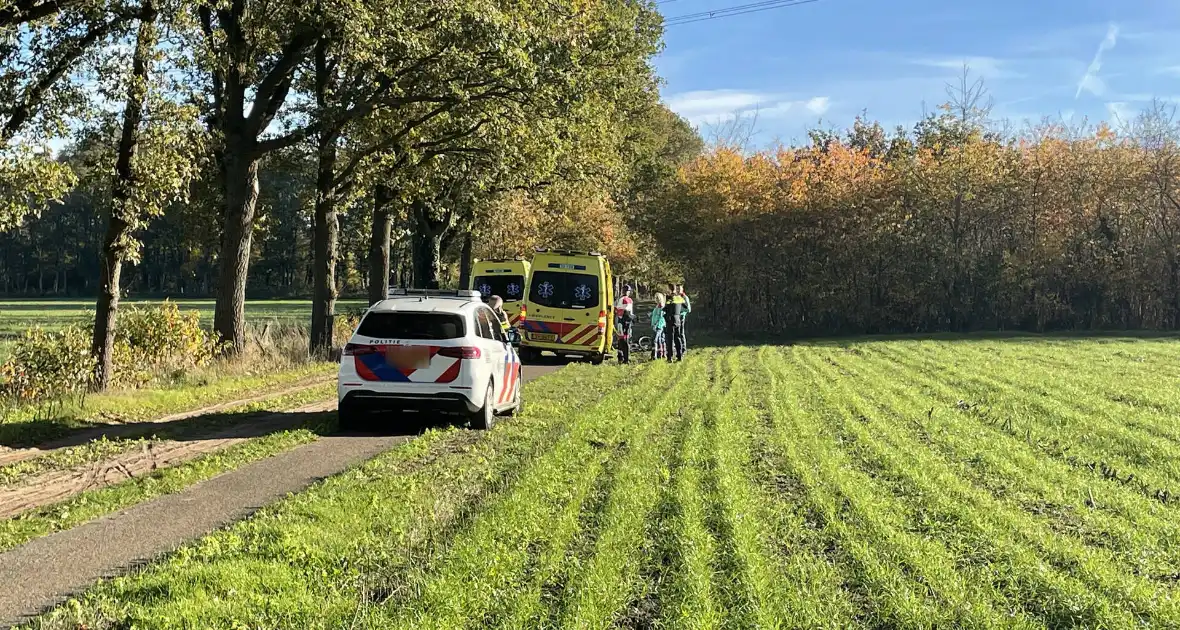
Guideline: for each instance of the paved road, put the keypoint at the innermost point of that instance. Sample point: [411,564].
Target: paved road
[45,571]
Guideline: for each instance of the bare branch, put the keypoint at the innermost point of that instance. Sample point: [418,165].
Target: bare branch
[23,110]
[25,11]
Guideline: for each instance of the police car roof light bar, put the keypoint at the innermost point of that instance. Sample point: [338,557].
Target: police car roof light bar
[455,293]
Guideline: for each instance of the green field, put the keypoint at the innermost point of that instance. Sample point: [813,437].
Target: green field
[1025,483]
[17,316]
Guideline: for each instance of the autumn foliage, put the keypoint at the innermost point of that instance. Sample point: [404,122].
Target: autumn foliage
[949,227]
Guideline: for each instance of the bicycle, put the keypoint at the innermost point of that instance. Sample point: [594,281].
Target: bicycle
[641,345]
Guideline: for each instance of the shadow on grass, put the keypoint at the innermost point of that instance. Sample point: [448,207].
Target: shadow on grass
[53,434]
[714,339]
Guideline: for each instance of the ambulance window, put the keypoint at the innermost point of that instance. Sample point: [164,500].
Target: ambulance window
[509,288]
[564,290]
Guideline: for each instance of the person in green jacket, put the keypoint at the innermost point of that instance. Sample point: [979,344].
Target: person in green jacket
[659,348]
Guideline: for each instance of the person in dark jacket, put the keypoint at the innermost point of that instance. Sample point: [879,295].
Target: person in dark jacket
[673,324]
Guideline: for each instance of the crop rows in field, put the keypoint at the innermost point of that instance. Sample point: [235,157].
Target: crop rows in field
[879,484]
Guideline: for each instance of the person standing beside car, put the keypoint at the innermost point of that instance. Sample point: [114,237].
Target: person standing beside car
[497,305]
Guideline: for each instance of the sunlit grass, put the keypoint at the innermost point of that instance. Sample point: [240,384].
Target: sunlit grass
[984,483]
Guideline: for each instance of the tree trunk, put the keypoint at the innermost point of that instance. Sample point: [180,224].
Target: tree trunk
[466,262]
[327,226]
[427,260]
[426,245]
[241,196]
[114,242]
[379,245]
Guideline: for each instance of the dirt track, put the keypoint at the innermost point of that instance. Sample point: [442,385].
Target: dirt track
[57,485]
[10,455]
[45,571]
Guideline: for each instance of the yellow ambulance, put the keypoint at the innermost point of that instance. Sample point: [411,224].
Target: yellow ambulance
[568,306]
[505,277]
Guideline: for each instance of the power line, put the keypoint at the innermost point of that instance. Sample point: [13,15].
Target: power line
[715,14]
[734,10]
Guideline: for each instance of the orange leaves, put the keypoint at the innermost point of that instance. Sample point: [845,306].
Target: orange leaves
[725,185]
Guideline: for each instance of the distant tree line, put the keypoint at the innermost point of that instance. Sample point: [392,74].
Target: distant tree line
[951,226]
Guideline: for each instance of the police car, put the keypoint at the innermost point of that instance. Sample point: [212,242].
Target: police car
[429,350]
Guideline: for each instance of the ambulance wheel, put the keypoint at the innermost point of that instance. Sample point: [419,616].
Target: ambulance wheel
[485,416]
[529,355]
[597,359]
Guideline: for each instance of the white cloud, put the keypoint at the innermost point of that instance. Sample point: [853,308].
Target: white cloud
[818,105]
[1090,81]
[986,67]
[713,104]
[706,107]
[1093,84]
[1121,112]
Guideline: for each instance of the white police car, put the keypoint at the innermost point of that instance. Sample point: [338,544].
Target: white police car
[429,350]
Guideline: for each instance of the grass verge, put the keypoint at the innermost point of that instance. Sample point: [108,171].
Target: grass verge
[92,504]
[29,426]
[102,448]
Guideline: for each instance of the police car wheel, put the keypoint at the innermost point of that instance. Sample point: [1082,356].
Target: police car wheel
[347,417]
[485,417]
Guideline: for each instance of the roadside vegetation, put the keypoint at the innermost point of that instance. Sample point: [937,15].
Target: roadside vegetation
[984,482]
[91,504]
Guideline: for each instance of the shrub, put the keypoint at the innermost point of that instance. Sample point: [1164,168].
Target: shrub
[150,342]
[154,340]
[47,364]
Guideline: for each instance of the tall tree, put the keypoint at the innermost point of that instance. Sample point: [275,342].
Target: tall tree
[123,194]
[153,166]
[251,51]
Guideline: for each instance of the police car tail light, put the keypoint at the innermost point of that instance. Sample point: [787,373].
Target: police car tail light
[357,349]
[460,352]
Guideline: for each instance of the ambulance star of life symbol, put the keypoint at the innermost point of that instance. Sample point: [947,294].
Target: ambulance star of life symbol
[545,290]
[582,292]
[513,288]
[485,289]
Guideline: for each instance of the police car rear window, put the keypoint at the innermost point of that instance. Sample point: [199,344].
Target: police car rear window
[563,290]
[509,288]
[412,326]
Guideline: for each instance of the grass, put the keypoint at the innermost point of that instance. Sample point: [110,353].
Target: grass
[17,316]
[987,483]
[31,425]
[91,504]
[102,448]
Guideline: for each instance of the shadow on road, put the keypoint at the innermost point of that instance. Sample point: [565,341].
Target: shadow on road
[402,423]
[53,433]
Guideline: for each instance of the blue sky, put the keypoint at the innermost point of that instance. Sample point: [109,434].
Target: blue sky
[832,59]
